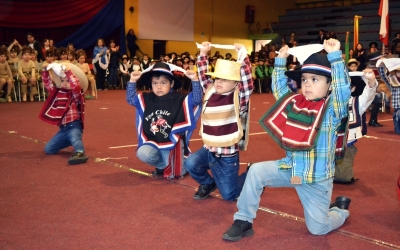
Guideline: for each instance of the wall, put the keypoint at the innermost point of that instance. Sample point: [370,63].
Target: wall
[218,21]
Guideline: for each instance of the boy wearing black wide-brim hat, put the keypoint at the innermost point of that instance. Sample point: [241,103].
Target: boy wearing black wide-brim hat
[165,118]
[305,125]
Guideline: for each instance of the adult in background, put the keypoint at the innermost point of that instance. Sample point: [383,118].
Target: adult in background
[34,45]
[113,65]
[131,41]
[100,50]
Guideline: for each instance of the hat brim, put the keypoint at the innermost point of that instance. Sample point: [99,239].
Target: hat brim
[223,76]
[83,81]
[296,74]
[145,79]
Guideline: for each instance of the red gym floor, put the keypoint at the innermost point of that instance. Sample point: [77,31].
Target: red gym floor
[112,203]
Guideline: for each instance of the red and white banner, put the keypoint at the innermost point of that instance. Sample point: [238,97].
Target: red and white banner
[384,30]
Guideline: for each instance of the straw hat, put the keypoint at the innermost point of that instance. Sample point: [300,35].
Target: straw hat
[353,60]
[55,76]
[228,70]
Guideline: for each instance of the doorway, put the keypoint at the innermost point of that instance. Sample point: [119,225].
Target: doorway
[159,48]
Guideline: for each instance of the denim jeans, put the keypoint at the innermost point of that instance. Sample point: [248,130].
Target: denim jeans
[153,156]
[224,172]
[396,120]
[112,76]
[315,197]
[69,135]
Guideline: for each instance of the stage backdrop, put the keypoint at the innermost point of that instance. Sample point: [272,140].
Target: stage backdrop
[171,20]
[71,21]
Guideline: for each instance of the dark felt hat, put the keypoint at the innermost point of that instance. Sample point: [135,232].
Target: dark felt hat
[373,43]
[358,82]
[316,64]
[374,56]
[158,68]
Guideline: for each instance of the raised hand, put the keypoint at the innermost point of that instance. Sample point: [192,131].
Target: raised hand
[283,52]
[192,75]
[135,75]
[331,45]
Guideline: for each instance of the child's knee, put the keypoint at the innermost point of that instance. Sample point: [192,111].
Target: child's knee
[48,150]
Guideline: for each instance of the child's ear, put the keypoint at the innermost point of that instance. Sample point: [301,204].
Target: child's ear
[330,87]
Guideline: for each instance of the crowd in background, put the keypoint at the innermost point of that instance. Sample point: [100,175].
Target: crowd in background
[109,69]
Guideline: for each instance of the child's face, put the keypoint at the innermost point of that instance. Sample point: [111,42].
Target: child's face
[64,83]
[81,59]
[146,58]
[26,56]
[71,57]
[124,61]
[353,67]
[223,86]
[32,57]
[161,85]
[49,59]
[64,57]
[13,55]
[51,42]
[3,58]
[314,86]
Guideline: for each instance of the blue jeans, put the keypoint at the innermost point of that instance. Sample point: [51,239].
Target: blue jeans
[112,76]
[69,135]
[153,156]
[315,197]
[396,120]
[224,170]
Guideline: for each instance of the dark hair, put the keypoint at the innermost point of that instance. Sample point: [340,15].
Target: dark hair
[30,34]
[159,74]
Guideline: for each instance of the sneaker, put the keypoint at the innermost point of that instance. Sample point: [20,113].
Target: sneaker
[158,173]
[238,230]
[77,158]
[204,191]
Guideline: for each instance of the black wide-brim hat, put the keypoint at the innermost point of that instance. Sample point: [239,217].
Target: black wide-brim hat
[158,68]
[374,56]
[373,43]
[358,82]
[315,64]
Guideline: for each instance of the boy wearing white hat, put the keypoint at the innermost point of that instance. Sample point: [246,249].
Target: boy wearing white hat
[225,107]
[65,108]
[305,125]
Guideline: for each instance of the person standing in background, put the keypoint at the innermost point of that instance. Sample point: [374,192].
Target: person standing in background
[131,42]
[100,49]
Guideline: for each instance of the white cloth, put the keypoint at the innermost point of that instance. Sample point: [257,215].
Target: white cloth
[390,63]
[57,68]
[241,53]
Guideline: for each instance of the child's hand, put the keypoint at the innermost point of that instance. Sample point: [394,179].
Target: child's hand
[331,45]
[192,75]
[205,49]
[135,76]
[283,52]
[238,46]
[370,75]
[65,67]
[44,65]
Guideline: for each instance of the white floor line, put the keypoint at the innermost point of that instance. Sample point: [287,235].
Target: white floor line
[198,139]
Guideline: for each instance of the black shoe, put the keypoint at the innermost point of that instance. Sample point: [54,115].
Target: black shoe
[204,191]
[352,180]
[158,173]
[341,202]
[375,124]
[77,158]
[238,230]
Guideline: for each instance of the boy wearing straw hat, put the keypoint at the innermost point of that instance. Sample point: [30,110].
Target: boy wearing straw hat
[65,108]
[165,119]
[225,107]
[305,125]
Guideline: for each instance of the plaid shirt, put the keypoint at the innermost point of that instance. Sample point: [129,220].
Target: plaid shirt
[245,90]
[317,164]
[72,113]
[395,90]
